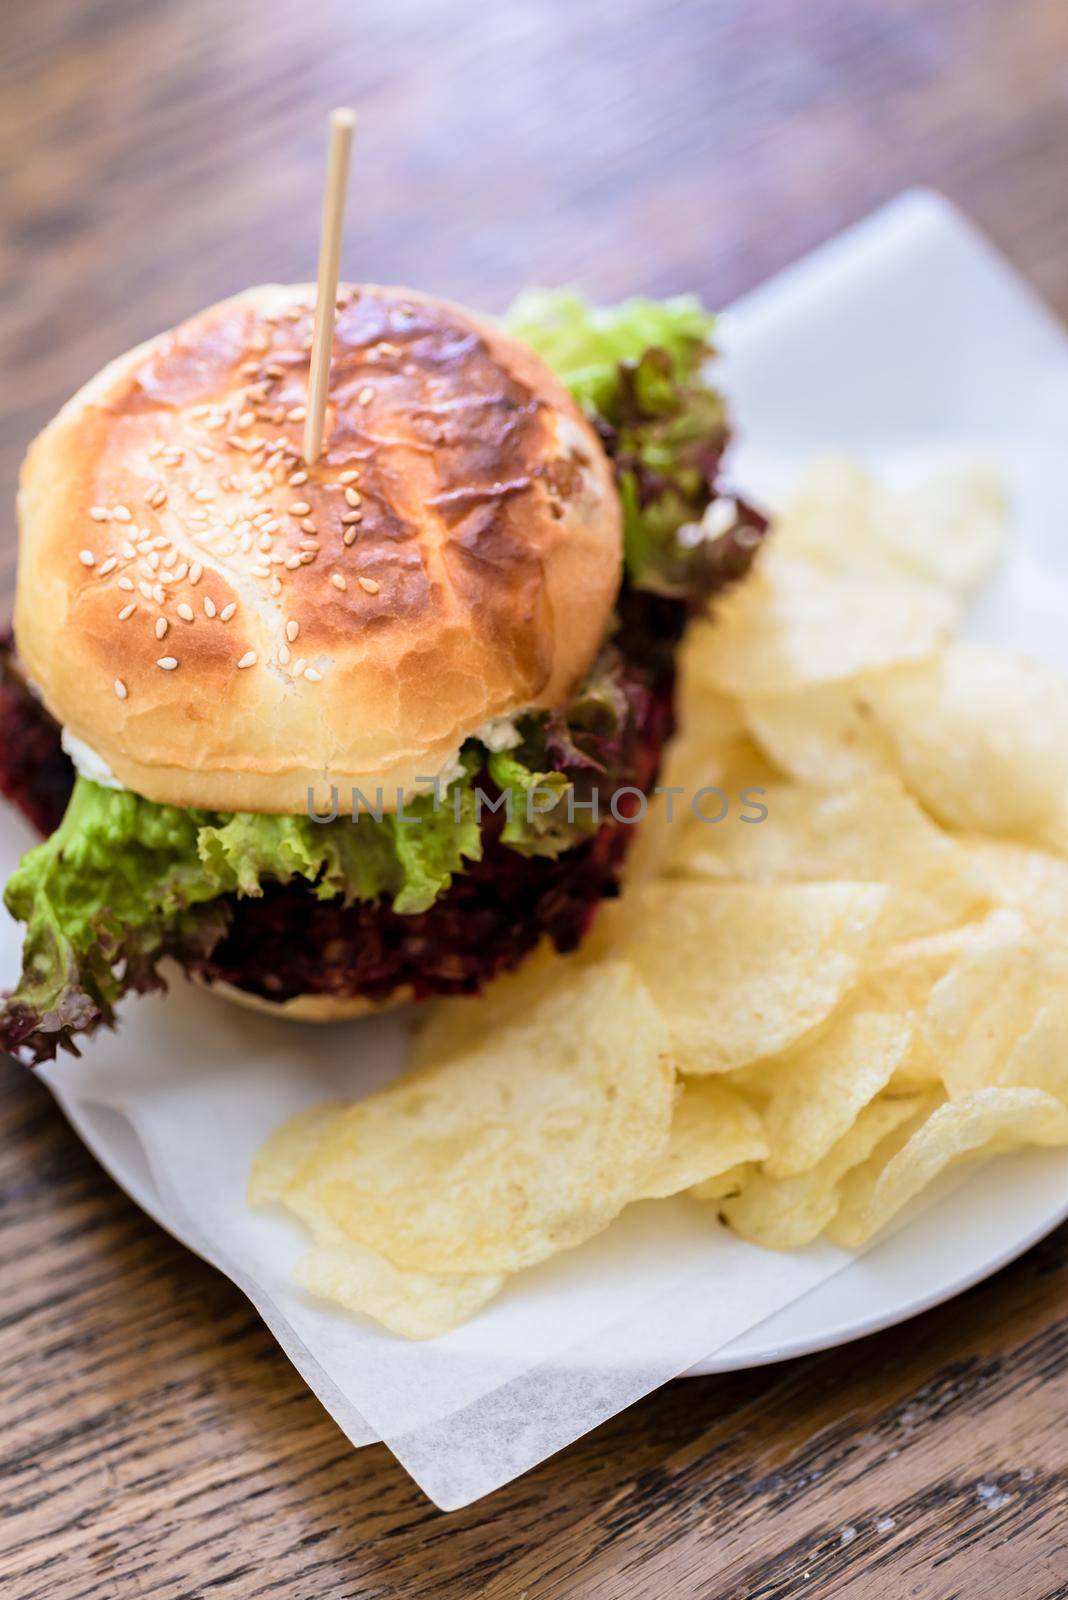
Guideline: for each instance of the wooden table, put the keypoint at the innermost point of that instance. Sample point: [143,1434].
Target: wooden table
[157,156]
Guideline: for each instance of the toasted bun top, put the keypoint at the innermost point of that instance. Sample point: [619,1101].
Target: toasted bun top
[228,628]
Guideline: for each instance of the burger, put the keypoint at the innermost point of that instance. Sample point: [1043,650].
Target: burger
[331,736]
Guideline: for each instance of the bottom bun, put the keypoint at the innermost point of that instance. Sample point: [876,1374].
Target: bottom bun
[310,1007]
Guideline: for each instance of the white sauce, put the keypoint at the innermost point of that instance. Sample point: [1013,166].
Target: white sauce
[500,733]
[87,762]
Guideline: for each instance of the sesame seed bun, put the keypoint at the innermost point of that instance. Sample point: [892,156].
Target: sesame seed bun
[230,629]
[310,1007]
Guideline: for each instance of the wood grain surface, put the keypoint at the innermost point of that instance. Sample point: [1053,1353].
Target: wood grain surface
[156,155]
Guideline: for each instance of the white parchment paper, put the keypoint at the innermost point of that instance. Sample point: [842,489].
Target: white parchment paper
[905,337]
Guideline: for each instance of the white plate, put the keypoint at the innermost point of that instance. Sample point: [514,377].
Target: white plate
[904,337]
[1005,1207]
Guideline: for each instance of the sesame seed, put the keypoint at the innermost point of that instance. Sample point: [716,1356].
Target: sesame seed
[350,518]
[125,582]
[351,476]
[168,663]
[298,667]
[307,525]
[153,560]
[307,557]
[349,536]
[180,571]
[338,580]
[299,508]
[313,676]
[292,563]
[204,495]
[99,513]
[247,660]
[353,497]
[157,593]
[185,611]
[120,689]
[127,550]
[109,566]
[365,396]
[209,606]
[128,610]
[283,655]
[297,478]
[246,419]
[274,587]
[161,627]
[368,585]
[145,588]
[309,544]
[297,413]
[87,558]
[121,514]
[292,629]
[227,611]
[261,572]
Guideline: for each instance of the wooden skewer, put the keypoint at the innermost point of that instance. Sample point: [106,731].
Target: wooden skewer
[342,122]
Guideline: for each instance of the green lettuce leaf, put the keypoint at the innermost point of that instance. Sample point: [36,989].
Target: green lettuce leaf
[124,882]
[638,370]
[585,345]
[537,822]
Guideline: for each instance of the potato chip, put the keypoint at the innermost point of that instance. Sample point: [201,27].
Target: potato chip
[713,1131]
[449,1026]
[950,527]
[1031,881]
[278,1162]
[976,1012]
[1039,1058]
[947,529]
[793,624]
[901,978]
[986,1120]
[510,1150]
[826,736]
[999,1016]
[417,1305]
[726,1185]
[786,1213]
[743,971]
[816,1092]
[711,749]
[980,738]
[873,832]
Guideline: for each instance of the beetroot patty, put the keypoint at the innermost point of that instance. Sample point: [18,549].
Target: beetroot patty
[288,943]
